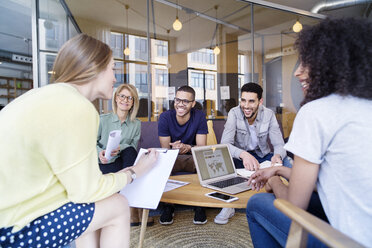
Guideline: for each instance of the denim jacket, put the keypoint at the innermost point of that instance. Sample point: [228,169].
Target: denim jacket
[237,135]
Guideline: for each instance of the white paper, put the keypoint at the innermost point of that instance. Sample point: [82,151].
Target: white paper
[174,184]
[112,143]
[146,191]
[247,173]
[225,92]
[171,93]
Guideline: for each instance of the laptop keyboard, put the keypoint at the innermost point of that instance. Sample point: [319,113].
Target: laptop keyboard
[229,182]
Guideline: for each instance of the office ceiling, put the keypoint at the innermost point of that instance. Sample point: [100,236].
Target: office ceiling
[15,18]
[197,32]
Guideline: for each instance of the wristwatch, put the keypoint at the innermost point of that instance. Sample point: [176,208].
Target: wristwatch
[132,174]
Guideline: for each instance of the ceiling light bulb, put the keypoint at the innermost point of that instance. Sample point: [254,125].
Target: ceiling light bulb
[297,27]
[177,25]
[127,51]
[216,50]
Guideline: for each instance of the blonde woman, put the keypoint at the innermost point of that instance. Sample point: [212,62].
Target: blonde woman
[51,189]
[125,106]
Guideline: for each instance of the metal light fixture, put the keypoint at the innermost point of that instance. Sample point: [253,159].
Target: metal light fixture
[177,24]
[216,50]
[168,64]
[297,27]
[127,50]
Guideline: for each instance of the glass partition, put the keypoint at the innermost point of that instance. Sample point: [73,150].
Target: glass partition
[213,52]
[216,47]
[55,27]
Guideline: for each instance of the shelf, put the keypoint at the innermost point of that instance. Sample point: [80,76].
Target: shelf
[6,96]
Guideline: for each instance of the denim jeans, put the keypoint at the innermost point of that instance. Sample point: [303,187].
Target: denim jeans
[239,163]
[269,227]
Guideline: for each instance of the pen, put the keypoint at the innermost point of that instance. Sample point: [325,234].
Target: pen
[159,150]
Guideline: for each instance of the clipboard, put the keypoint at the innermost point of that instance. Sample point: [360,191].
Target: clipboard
[146,191]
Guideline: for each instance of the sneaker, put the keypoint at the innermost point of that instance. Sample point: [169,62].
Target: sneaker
[200,218]
[166,217]
[224,216]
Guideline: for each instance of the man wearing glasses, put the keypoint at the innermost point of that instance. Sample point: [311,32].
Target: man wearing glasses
[181,128]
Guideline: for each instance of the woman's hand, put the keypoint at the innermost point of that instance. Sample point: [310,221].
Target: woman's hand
[260,178]
[115,152]
[145,162]
[102,157]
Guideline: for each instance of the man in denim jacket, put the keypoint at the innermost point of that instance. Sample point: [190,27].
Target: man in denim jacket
[247,132]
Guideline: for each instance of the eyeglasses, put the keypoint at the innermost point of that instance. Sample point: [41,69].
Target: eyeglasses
[183,101]
[124,97]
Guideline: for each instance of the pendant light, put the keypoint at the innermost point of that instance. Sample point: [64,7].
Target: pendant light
[127,50]
[177,25]
[216,50]
[297,27]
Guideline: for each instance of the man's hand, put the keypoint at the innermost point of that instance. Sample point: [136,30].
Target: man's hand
[184,148]
[260,178]
[249,162]
[276,159]
[102,157]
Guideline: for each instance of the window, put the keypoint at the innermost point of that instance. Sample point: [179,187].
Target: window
[140,47]
[141,78]
[196,80]
[161,48]
[116,44]
[203,56]
[161,77]
[209,81]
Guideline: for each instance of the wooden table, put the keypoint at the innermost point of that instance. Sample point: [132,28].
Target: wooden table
[193,194]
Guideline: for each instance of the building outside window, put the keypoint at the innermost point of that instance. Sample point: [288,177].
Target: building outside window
[196,80]
[210,81]
[161,77]
[161,48]
[132,69]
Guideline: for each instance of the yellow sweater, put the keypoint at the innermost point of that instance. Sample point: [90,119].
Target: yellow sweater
[48,155]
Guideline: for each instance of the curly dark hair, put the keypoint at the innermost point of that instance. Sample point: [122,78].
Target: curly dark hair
[338,54]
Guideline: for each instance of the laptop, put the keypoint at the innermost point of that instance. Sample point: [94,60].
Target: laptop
[216,170]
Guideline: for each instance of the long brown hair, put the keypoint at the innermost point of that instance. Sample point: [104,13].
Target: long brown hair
[80,60]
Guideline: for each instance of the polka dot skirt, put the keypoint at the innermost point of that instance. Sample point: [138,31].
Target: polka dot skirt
[55,229]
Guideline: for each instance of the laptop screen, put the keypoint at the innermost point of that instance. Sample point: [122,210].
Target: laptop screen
[213,161]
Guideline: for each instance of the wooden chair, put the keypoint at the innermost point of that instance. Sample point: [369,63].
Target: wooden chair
[304,223]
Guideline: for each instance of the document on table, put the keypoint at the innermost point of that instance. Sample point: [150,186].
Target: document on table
[174,184]
[112,143]
[247,173]
[146,191]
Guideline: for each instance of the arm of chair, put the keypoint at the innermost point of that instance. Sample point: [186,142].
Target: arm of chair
[304,223]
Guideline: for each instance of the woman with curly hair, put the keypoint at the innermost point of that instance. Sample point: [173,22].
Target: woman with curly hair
[329,132]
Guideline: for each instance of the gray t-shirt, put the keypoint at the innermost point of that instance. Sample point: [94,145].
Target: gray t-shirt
[336,133]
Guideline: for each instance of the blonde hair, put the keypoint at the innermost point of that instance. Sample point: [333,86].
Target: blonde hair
[80,60]
[133,91]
